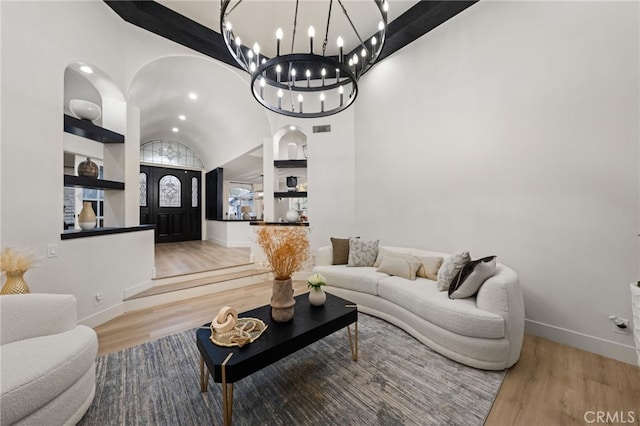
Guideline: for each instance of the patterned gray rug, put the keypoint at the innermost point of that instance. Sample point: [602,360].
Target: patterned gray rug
[397,380]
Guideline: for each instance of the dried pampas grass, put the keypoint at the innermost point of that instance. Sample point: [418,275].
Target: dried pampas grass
[17,260]
[286,248]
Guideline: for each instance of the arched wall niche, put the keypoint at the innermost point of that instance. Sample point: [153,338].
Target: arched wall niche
[97,87]
[87,82]
[289,143]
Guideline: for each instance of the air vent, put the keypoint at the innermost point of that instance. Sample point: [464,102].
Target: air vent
[322,129]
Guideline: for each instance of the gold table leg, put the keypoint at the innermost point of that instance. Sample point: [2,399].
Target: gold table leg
[354,348]
[227,394]
[204,376]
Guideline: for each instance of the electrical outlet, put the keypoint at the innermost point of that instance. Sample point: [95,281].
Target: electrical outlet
[620,325]
[52,250]
[98,298]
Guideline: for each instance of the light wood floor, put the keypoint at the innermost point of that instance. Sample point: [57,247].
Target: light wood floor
[552,384]
[187,257]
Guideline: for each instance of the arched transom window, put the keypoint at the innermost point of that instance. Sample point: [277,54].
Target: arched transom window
[163,151]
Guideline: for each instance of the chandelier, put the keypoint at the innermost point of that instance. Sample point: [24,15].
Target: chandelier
[315,82]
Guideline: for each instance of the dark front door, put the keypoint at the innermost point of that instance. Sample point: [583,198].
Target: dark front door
[170,200]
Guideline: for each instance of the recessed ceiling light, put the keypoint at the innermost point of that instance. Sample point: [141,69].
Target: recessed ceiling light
[175,130]
[86,69]
[193,96]
[292,127]
[182,117]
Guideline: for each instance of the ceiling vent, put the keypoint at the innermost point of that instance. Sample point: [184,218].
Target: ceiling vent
[322,129]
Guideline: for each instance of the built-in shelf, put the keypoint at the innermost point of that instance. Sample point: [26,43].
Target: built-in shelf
[260,223]
[86,129]
[290,164]
[78,233]
[89,182]
[290,194]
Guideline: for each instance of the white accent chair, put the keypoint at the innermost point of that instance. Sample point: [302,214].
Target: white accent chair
[47,360]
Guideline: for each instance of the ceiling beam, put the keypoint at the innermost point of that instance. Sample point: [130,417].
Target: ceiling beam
[419,20]
[160,20]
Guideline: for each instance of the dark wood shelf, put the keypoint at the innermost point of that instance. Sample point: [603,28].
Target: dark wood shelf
[260,223]
[290,164]
[86,129]
[77,233]
[290,194]
[89,182]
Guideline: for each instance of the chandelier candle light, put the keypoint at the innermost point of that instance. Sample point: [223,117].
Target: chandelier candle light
[306,84]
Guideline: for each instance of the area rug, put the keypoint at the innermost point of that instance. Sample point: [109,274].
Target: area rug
[396,380]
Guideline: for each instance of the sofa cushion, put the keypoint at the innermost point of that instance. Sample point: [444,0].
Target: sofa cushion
[450,268]
[460,316]
[471,277]
[429,266]
[49,365]
[401,265]
[389,250]
[364,279]
[340,250]
[362,252]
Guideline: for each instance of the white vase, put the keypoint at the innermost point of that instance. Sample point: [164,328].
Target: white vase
[292,216]
[635,308]
[317,297]
[87,217]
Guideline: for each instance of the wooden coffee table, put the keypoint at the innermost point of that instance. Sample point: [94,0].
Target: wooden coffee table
[310,324]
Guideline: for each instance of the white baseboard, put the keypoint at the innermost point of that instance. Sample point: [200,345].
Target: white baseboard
[231,244]
[139,288]
[615,350]
[189,293]
[103,316]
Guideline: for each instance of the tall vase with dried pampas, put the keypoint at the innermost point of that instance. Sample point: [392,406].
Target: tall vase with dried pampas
[14,264]
[286,249]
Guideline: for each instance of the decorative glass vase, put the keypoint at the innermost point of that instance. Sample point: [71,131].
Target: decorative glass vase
[317,296]
[282,301]
[87,217]
[15,283]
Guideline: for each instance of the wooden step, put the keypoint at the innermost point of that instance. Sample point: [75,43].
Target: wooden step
[173,289]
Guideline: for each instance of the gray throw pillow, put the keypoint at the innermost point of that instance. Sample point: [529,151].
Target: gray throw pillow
[471,277]
[362,252]
[450,268]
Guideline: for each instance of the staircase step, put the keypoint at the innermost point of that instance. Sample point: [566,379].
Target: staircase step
[174,289]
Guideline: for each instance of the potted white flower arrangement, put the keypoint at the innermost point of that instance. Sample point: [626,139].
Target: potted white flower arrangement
[315,282]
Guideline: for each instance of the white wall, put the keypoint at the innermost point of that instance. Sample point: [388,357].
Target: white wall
[513,130]
[330,175]
[39,40]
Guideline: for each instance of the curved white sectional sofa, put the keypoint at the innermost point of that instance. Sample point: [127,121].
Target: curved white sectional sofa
[484,331]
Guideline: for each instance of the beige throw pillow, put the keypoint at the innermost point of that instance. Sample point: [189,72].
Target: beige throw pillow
[400,265]
[382,252]
[429,266]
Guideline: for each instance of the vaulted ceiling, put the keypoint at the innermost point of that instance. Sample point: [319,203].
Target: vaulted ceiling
[161,89]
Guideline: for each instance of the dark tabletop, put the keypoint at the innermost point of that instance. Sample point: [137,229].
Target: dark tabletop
[310,324]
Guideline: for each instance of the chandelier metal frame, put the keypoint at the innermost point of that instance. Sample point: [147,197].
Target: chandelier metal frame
[272,78]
